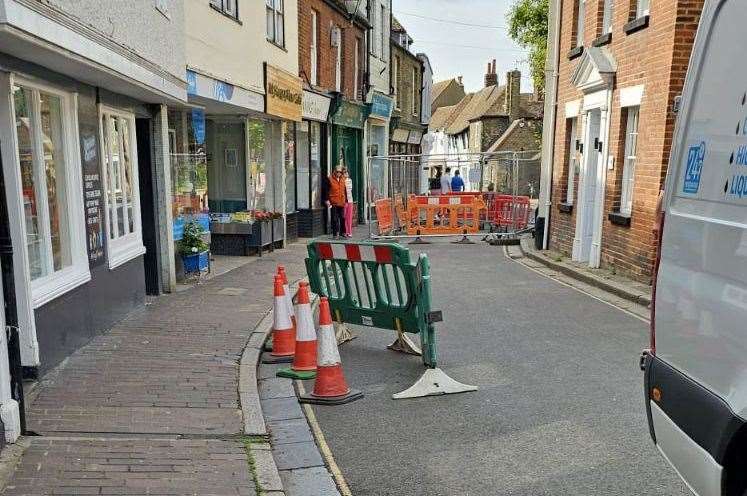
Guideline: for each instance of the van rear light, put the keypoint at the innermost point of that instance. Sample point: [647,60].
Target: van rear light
[658,236]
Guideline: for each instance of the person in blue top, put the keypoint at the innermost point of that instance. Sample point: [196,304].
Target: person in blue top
[457,183]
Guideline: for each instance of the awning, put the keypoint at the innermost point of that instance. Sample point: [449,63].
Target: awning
[415,137]
[400,135]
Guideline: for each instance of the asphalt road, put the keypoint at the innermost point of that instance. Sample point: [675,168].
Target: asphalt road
[560,407]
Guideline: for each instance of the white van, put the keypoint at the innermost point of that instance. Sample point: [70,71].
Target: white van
[696,369]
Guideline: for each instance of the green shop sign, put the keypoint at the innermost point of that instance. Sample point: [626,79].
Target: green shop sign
[381,106]
[349,115]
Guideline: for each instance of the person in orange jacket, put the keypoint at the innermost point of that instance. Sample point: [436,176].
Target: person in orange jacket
[336,199]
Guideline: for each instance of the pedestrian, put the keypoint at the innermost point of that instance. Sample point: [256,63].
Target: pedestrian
[348,203]
[336,200]
[457,183]
[446,182]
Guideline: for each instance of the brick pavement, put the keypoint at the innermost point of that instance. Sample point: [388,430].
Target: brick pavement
[152,406]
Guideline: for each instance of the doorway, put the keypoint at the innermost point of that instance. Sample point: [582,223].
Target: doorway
[590,193]
[226,166]
[348,149]
[148,210]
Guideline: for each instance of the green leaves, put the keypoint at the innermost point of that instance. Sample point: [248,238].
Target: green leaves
[527,26]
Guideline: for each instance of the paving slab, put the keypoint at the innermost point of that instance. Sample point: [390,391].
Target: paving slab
[276,387]
[314,481]
[281,409]
[290,431]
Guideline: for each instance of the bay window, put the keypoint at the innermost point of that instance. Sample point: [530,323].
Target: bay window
[51,189]
[121,193]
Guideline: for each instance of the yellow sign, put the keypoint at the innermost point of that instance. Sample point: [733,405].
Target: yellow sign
[284,94]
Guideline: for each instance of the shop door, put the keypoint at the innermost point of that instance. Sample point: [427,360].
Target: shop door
[148,210]
[227,166]
[349,148]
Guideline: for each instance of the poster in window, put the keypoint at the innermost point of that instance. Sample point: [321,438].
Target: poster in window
[92,195]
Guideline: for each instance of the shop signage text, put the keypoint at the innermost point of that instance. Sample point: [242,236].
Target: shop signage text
[381,106]
[349,115]
[284,94]
[315,106]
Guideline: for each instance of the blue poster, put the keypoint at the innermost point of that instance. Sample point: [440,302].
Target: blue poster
[191,83]
[198,125]
[695,157]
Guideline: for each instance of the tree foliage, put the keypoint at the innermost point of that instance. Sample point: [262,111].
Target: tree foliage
[527,26]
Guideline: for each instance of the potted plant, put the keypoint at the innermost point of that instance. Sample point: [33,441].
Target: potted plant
[193,248]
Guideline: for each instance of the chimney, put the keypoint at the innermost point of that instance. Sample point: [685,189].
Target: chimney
[491,78]
[513,94]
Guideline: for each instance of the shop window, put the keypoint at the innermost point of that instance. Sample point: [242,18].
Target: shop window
[289,160]
[51,188]
[303,171]
[275,22]
[315,160]
[631,158]
[121,193]
[256,131]
[227,7]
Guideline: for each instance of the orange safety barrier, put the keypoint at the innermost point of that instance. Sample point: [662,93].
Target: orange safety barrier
[510,211]
[384,215]
[444,214]
[404,216]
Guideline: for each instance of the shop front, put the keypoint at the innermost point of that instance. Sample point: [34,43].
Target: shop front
[377,131]
[284,104]
[348,122]
[311,155]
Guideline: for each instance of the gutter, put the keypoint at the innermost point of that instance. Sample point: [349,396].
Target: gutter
[550,117]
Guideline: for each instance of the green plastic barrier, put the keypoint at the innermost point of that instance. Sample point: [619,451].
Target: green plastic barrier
[376,284]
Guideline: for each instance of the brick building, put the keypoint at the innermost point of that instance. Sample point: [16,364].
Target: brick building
[332,64]
[620,69]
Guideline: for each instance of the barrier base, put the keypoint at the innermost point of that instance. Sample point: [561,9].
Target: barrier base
[343,333]
[353,395]
[464,241]
[303,375]
[267,358]
[500,241]
[404,344]
[419,241]
[434,382]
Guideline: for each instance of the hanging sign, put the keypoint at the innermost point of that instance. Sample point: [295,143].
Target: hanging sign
[381,106]
[350,115]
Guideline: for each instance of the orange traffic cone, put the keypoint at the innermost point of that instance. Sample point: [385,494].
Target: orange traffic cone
[304,361]
[288,302]
[330,387]
[283,333]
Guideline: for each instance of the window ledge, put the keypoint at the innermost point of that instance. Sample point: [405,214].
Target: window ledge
[565,208]
[605,39]
[619,219]
[281,47]
[636,24]
[575,52]
[234,19]
[56,285]
[123,254]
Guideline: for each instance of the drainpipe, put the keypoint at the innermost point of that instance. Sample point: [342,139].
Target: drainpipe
[550,113]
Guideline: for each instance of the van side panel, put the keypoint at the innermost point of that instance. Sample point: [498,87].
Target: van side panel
[696,467]
[701,303]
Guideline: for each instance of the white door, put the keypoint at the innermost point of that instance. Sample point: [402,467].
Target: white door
[590,180]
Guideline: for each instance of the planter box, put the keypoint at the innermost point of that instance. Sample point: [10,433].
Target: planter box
[291,227]
[240,239]
[277,230]
[196,263]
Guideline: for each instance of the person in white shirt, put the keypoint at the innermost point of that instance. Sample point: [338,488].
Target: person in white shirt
[446,182]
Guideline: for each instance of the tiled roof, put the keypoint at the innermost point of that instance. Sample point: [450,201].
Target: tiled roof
[396,26]
[440,117]
[438,88]
[487,101]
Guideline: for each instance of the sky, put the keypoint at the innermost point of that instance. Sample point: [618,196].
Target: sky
[456,49]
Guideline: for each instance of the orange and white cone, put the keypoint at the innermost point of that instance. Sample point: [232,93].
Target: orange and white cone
[304,361]
[288,301]
[283,333]
[330,386]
